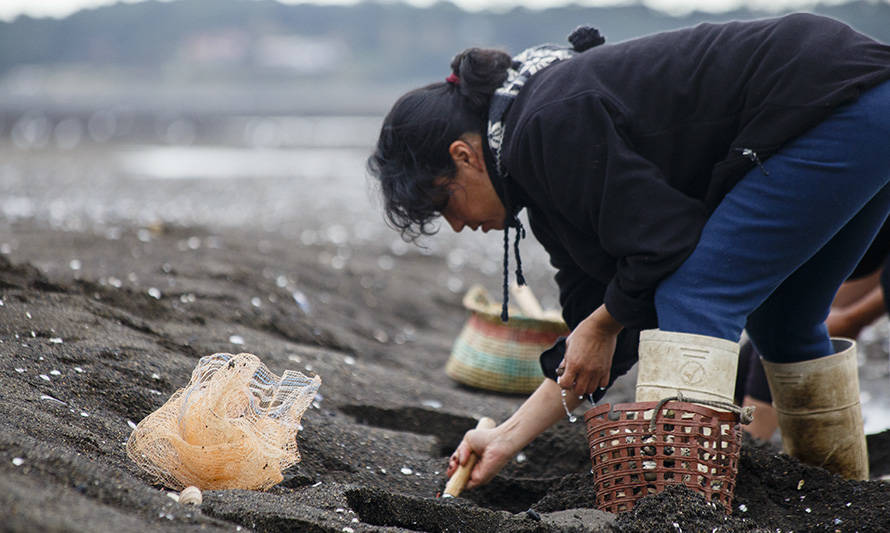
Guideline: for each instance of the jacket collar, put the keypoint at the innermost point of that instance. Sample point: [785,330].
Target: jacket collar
[512,199]
[524,66]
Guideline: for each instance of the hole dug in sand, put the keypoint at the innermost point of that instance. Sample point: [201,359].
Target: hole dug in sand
[446,428]
[381,508]
[510,494]
[502,493]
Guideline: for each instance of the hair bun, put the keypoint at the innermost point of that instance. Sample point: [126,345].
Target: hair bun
[585,37]
[481,71]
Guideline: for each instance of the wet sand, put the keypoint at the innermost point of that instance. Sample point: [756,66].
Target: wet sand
[99,328]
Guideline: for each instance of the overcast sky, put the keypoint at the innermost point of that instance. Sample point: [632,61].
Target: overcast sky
[9,9]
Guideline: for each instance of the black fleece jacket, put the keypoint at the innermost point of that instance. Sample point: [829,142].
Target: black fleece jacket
[621,153]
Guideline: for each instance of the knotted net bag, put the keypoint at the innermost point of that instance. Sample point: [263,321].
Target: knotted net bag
[233,426]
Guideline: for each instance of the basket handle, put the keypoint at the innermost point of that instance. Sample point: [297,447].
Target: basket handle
[477,299]
[745,414]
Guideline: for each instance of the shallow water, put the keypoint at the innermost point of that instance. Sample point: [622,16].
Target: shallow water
[212,162]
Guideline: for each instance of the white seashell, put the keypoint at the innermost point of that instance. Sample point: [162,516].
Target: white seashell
[190,496]
[236,339]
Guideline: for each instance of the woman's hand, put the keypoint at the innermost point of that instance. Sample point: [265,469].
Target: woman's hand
[492,449]
[589,350]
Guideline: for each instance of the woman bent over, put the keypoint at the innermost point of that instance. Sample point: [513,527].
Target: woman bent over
[702,181]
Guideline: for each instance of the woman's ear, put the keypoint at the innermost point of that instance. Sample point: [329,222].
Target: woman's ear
[467,151]
[461,152]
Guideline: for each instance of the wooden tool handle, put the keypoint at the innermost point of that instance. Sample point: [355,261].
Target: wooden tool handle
[525,299]
[458,481]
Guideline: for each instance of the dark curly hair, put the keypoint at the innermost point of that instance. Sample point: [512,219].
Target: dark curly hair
[412,152]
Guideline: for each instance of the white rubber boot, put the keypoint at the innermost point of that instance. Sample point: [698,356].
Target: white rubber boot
[817,403]
[696,366]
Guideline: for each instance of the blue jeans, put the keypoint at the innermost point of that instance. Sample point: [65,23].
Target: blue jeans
[776,249]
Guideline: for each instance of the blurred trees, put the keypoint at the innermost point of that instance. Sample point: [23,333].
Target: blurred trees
[373,41]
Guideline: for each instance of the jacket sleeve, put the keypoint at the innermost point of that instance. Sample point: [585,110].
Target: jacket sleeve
[621,202]
[579,295]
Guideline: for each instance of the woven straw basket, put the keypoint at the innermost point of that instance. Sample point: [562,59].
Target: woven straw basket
[501,356]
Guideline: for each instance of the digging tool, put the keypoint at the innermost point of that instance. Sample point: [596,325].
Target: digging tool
[459,479]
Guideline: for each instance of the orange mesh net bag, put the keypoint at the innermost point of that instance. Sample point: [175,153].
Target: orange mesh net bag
[234,426]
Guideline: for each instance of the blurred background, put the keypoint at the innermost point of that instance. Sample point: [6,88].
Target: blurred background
[260,113]
[145,110]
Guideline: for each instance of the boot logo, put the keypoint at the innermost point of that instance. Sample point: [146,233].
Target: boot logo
[692,373]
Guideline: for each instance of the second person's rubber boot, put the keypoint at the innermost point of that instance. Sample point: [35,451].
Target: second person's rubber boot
[817,403]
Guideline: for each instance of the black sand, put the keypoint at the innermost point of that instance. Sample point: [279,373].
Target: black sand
[375,445]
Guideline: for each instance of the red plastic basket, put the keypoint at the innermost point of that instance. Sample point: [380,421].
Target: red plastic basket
[688,444]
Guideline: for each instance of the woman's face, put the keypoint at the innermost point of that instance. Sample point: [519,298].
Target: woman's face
[473,202]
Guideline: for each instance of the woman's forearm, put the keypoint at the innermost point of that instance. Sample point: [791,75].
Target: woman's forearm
[540,411]
[545,406]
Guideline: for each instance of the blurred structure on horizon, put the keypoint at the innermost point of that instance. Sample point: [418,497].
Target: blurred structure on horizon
[236,57]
